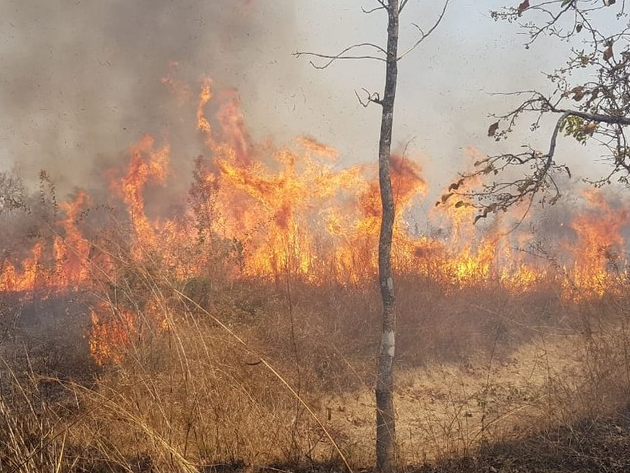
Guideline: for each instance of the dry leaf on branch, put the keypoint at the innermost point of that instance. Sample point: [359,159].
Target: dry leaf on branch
[493,129]
[608,54]
[523,6]
[456,185]
[578,93]
[589,128]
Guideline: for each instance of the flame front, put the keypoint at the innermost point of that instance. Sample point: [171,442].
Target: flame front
[598,253]
[275,214]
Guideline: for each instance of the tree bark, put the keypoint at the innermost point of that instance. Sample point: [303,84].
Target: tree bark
[385,421]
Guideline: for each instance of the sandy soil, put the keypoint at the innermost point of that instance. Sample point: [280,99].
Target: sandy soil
[446,409]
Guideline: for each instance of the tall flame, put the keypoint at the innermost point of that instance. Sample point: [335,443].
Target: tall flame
[598,252]
[294,212]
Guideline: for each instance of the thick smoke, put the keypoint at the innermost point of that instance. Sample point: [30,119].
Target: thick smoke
[82,79]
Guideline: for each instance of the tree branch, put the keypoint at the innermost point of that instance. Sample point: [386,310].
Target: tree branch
[501,195]
[373,97]
[552,22]
[596,117]
[372,10]
[341,55]
[597,109]
[554,139]
[424,35]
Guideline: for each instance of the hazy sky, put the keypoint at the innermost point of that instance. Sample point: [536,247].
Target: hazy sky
[81,80]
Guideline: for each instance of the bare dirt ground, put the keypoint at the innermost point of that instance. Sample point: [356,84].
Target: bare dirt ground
[450,411]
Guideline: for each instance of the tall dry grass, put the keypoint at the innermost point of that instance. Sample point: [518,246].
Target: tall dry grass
[222,372]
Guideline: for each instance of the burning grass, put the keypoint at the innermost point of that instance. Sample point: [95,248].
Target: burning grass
[240,330]
[191,395]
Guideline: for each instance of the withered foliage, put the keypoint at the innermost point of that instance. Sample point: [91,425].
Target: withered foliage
[588,100]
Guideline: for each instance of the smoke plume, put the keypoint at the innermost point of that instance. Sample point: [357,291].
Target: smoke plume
[82,80]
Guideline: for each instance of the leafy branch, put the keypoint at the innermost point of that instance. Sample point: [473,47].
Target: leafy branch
[590,97]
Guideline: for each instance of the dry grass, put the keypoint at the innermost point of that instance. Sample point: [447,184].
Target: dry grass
[219,375]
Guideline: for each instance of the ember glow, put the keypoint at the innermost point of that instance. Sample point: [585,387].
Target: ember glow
[294,213]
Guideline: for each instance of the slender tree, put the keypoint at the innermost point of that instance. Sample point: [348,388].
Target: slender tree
[385,421]
[385,414]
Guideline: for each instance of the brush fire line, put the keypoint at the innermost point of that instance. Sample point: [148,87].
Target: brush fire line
[293,214]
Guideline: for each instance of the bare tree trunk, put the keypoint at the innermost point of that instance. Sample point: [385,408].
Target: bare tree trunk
[385,422]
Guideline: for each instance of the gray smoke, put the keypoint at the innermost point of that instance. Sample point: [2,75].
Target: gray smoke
[81,80]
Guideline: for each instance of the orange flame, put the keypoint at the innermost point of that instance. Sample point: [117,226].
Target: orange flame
[293,213]
[110,335]
[597,253]
[145,165]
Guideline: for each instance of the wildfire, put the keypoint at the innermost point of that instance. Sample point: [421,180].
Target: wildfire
[294,213]
[110,335]
[25,280]
[72,253]
[598,252]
